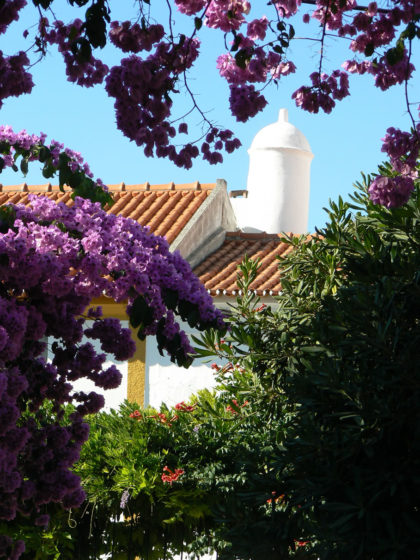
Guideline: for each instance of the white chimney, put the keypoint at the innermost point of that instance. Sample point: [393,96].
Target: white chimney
[278,181]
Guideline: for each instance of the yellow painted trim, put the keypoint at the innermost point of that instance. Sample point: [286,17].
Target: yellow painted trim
[136,375]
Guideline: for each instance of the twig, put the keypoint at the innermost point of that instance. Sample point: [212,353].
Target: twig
[352,8]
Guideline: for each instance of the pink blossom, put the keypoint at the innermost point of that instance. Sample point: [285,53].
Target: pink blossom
[190,7]
[14,78]
[391,192]
[245,102]
[403,148]
[283,69]
[324,91]
[227,15]
[133,38]
[257,28]
[9,11]
[287,8]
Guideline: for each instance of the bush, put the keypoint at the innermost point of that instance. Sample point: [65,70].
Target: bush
[311,447]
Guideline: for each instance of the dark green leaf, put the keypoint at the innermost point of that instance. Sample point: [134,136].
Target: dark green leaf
[24,166]
[44,154]
[95,24]
[242,58]
[43,3]
[4,147]
[170,298]
[198,23]
[291,32]
[370,49]
[140,313]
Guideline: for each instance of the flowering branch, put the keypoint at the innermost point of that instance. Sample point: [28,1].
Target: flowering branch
[56,159]
[54,260]
[144,86]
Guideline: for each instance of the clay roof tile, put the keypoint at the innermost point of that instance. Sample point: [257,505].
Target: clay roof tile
[166,208]
[218,272]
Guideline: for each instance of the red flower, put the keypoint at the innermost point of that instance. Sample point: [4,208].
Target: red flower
[232,410]
[136,414]
[182,407]
[300,543]
[169,476]
[278,499]
[163,419]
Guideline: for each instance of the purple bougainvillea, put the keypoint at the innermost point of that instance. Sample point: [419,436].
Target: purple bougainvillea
[54,260]
[391,191]
[257,36]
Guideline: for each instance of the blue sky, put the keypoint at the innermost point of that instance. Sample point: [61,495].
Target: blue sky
[344,143]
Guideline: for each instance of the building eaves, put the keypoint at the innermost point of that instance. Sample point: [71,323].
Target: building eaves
[165,208]
[218,272]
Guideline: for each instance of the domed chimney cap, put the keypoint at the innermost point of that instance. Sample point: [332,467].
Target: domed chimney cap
[280,134]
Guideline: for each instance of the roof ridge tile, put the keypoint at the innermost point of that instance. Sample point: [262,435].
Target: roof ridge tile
[120,187]
[254,235]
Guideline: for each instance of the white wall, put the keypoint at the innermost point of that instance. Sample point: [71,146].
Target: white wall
[278,181]
[170,384]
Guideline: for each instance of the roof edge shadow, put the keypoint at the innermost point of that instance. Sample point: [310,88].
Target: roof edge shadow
[215,213]
[208,246]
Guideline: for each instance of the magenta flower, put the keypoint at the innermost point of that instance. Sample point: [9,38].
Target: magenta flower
[391,192]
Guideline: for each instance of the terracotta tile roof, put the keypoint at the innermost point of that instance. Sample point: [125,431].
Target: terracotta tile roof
[165,208]
[218,271]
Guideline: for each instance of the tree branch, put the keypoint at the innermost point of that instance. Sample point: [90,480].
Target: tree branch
[353,8]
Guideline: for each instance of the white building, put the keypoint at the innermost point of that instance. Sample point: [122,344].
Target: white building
[213,230]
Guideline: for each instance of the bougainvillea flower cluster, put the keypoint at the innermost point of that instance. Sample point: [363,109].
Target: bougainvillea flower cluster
[54,260]
[23,148]
[83,70]
[391,191]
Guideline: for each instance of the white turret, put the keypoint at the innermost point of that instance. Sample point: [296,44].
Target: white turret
[278,180]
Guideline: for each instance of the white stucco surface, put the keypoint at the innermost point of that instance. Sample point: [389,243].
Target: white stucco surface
[278,181]
[281,134]
[169,384]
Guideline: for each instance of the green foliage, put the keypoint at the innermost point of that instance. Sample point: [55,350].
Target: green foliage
[81,184]
[340,357]
[52,543]
[220,444]
[210,443]
[311,447]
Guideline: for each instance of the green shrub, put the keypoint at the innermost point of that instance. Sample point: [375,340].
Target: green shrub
[311,448]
